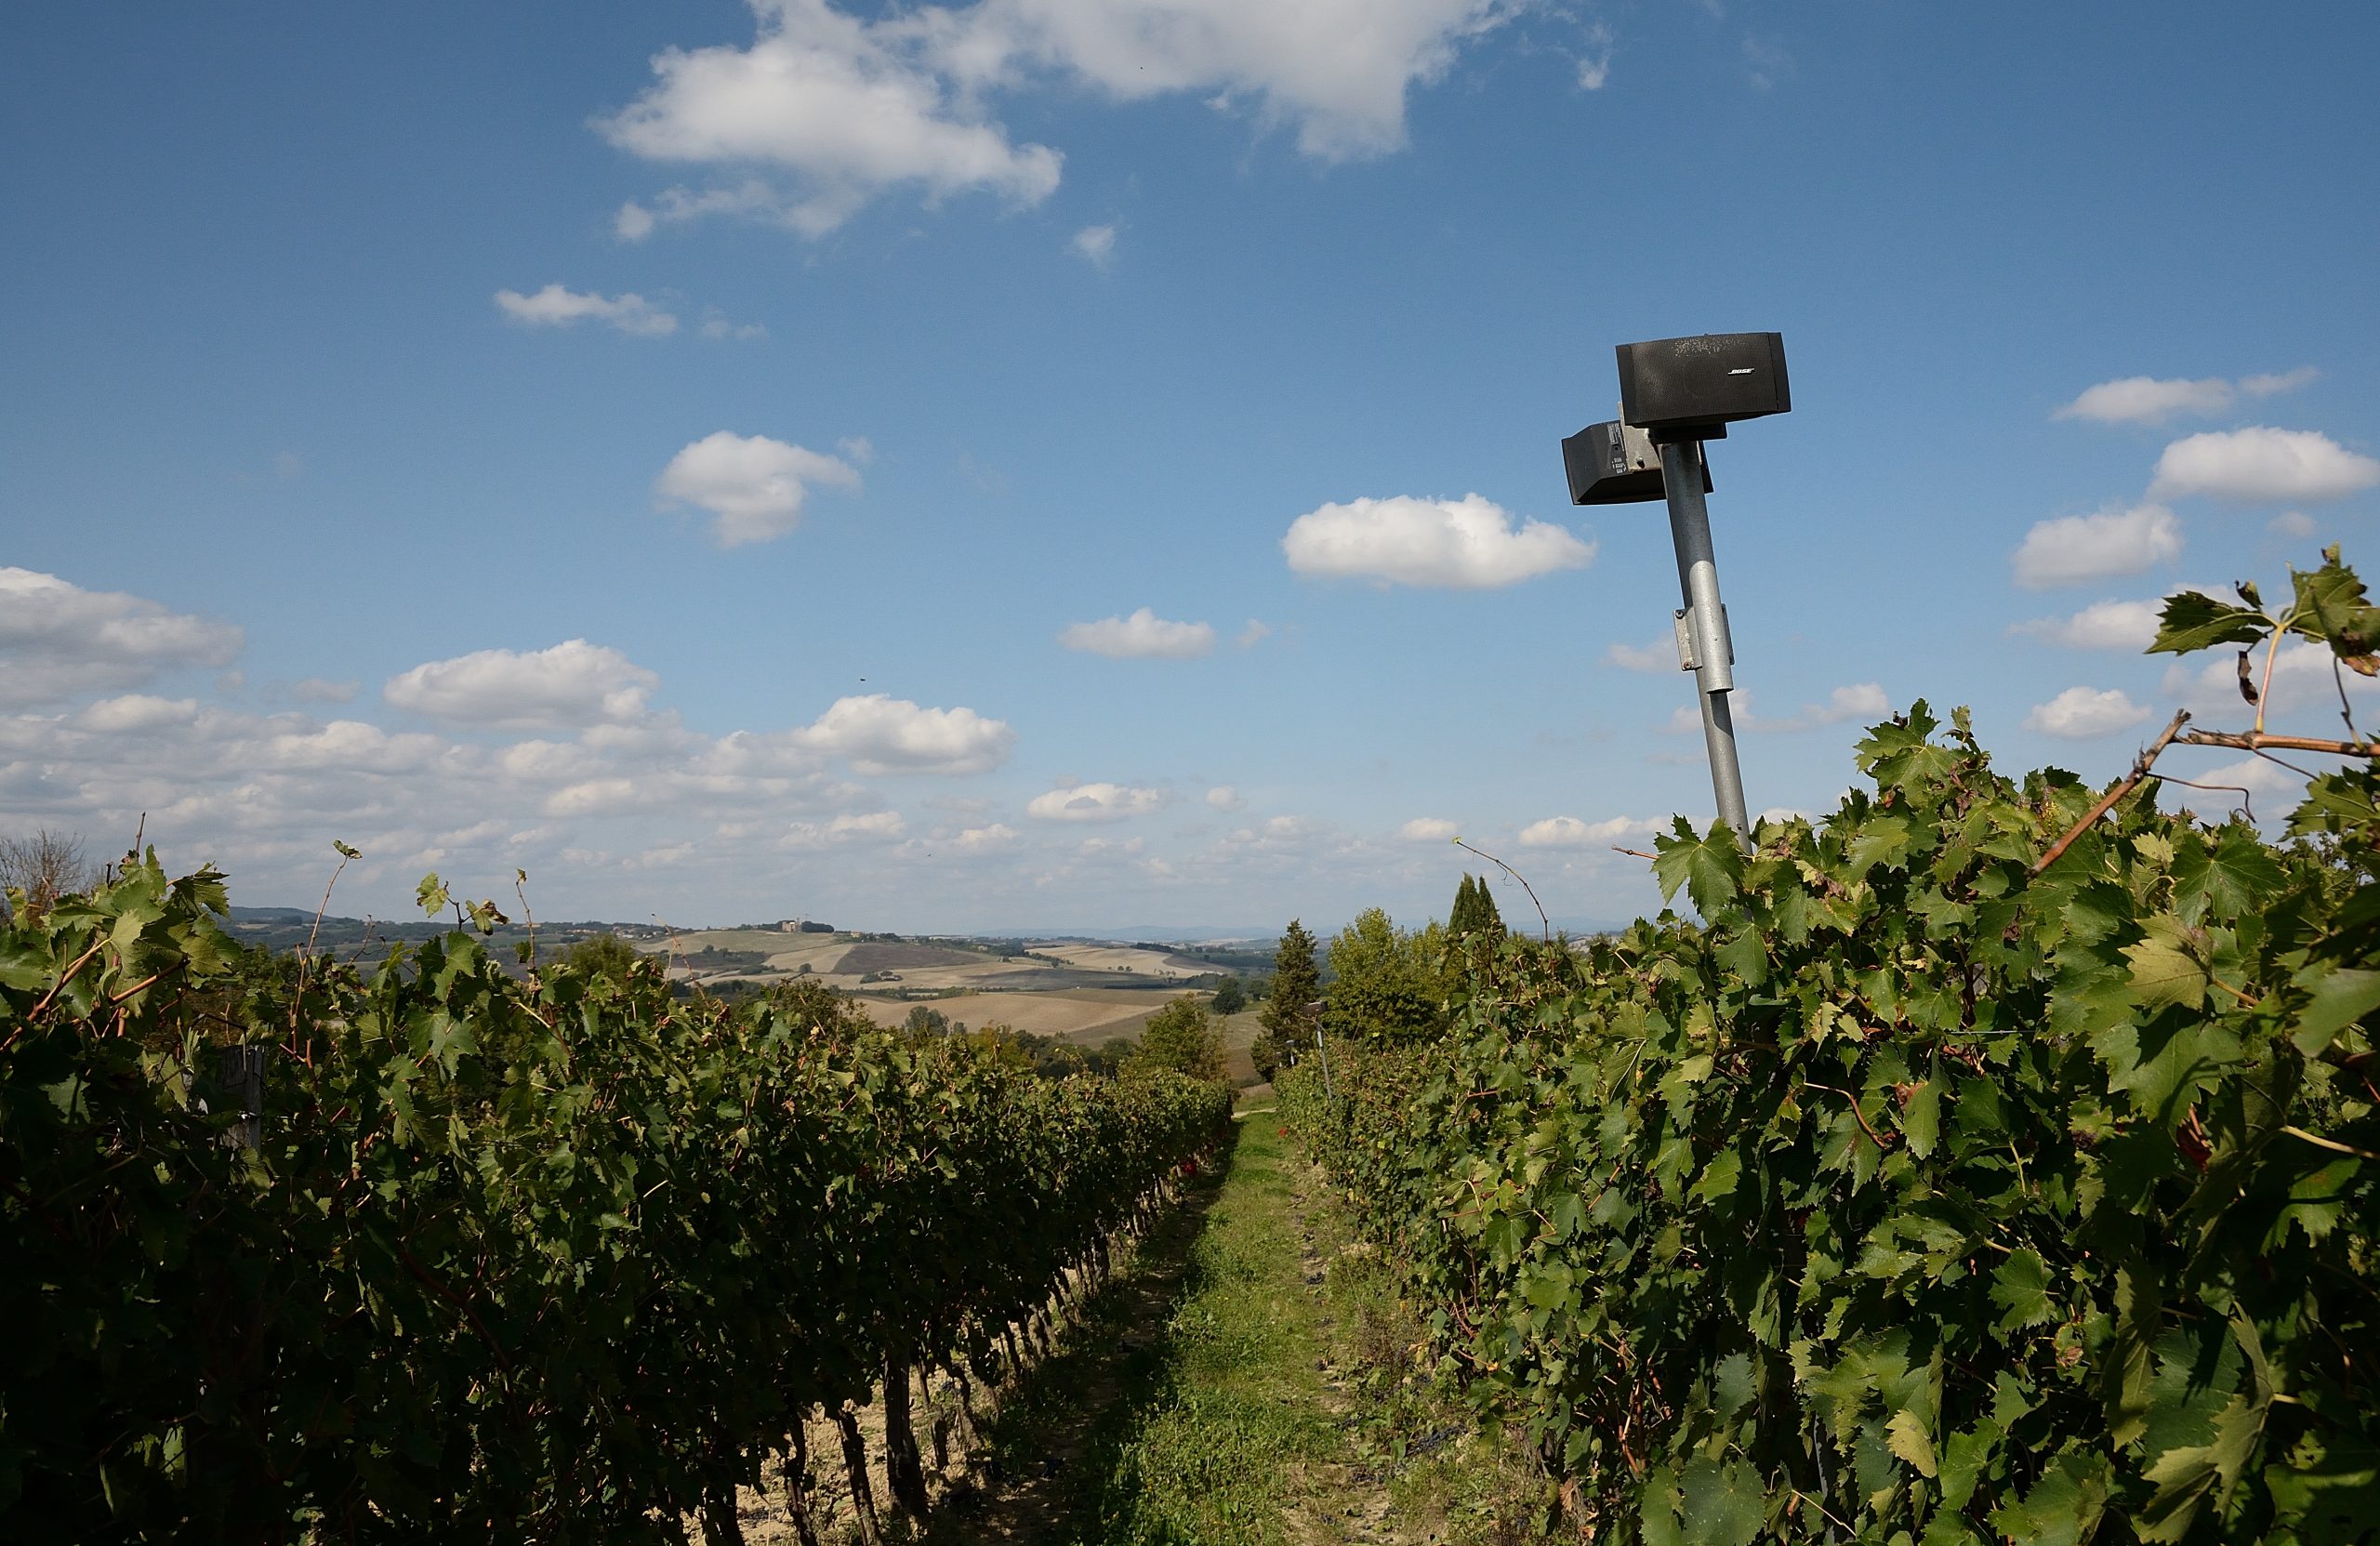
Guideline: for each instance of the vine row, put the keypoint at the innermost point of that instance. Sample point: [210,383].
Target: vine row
[1923,1190]
[566,1261]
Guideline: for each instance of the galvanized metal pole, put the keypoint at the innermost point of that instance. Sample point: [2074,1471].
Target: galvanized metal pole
[1703,645]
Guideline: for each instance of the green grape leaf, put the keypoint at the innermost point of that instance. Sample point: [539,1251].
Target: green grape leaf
[2021,1289]
[1908,1438]
[2234,875]
[2169,964]
[24,966]
[1718,1179]
[1659,1505]
[2332,1485]
[2063,1508]
[1711,866]
[1724,1503]
[2187,1479]
[1921,1119]
[1963,1458]
[2193,620]
[2337,998]
[2332,609]
[2338,802]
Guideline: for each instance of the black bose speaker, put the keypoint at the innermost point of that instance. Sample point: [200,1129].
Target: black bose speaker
[1712,378]
[1615,464]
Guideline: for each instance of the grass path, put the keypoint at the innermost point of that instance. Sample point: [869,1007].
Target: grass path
[1247,1381]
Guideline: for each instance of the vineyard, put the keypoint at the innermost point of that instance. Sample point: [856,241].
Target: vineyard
[568,1261]
[1991,1161]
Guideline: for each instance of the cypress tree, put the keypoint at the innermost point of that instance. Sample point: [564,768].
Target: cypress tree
[1297,982]
[1489,918]
[1464,916]
[1475,910]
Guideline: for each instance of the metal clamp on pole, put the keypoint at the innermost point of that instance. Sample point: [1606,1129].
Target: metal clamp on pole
[1689,631]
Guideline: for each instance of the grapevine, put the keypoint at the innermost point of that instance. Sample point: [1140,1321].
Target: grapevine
[1991,1160]
[565,1261]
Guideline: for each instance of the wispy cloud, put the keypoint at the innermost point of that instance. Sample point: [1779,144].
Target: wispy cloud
[557,307]
[1095,245]
[1863,700]
[1658,656]
[2152,400]
[1570,832]
[1094,803]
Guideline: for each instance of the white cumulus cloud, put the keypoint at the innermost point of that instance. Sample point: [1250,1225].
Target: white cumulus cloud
[136,711]
[574,683]
[265,793]
[848,107]
[1337,69]
[1223,797]
[2100,625]
[1570,832]
[2152,400]
[2259,777]
[1860,700]
[1094,803]
[58,640]
[2080,713]
[1466,544]
[753,486]
[1143,635]
[2261,465]
[557,307]
[2113,541]
[1428,829]
[879,735]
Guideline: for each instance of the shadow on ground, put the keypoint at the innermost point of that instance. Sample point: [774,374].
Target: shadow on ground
[1053,1461]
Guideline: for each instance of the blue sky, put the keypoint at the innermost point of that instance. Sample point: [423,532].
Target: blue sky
[717,458]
